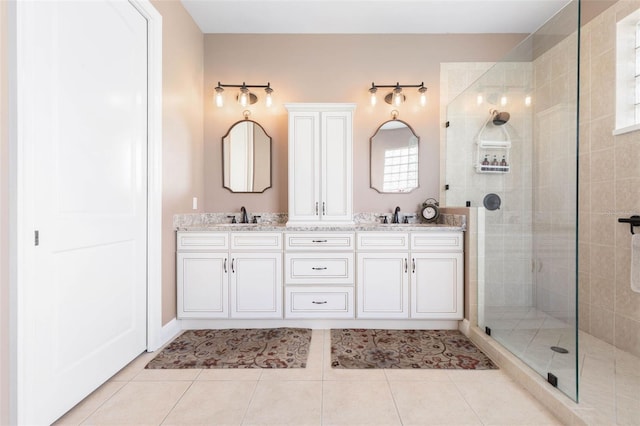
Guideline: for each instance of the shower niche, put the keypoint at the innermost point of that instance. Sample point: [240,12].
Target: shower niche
[493,145]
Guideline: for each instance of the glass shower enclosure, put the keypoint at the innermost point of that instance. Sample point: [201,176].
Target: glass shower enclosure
[512,151]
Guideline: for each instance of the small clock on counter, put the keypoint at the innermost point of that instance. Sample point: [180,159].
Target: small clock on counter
[430,210]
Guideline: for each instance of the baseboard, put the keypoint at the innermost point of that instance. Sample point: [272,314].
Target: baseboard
[168,332]
[409,324]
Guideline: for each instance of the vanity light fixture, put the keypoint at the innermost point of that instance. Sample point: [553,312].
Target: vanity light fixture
[396,97]
[245,97]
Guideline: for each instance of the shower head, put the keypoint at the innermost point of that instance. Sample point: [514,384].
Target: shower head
[499,118]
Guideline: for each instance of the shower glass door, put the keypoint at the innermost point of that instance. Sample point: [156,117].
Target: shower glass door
[511,150]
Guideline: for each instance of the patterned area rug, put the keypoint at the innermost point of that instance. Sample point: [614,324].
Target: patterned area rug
[236,348]
[437,349]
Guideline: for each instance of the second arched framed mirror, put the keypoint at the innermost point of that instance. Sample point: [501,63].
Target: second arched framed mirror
[394,158]
[246,158]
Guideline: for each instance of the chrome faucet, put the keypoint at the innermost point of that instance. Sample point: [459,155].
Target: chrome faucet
[244,218]
[396,218]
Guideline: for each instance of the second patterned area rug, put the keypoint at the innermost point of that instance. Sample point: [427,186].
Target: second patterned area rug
[435,349]
[236,348]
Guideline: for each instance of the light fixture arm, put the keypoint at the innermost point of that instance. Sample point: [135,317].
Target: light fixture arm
[396,97]
[245,97]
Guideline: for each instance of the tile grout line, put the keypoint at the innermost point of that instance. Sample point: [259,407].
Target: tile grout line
[164,419]
[98,407]
[466,401]
[393,397]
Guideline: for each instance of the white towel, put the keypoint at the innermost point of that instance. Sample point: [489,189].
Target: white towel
[635,263]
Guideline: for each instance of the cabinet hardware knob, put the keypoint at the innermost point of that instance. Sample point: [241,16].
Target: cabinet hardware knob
[324,208]
[225,265]
[316,207]
[413,261]
[319,303]
[318,268]
[318,241]
[232,267]
[406,265]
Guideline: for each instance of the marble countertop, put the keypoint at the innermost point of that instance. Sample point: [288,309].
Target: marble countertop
[267,227]
[277,223]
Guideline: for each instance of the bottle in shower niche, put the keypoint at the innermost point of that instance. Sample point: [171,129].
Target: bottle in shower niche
[503,164]
[485,164]
[494,164]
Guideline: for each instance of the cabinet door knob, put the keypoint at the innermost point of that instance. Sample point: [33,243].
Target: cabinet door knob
[324,208]
[232,267]
[318,241]
[225,265]
[316,207]
[406,264]
[319,303]
[319,268]
[413,263]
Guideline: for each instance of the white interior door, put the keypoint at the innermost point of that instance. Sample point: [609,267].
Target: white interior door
[82,101]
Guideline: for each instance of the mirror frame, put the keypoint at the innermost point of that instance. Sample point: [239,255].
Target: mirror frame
[270,158]
[371,158]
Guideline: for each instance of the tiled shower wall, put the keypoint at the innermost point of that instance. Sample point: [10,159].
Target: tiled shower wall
[508,230]
[609,188]
[554,180]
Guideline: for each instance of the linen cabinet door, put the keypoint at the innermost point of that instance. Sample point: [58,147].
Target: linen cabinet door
[203,290]
[437,285]
[256,285]
[383,285]
[304,166]
[336,175]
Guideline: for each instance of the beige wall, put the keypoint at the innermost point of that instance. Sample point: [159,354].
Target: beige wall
[182,168]
[609,188]
[333,68]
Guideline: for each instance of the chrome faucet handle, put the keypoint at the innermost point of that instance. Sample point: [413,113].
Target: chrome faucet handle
[233,218]
[255,219]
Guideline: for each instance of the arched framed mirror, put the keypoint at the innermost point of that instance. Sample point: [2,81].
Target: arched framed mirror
[246,158]
[394,158]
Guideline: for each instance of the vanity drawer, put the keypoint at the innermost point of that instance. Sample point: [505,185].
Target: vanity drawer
[437,241]
[319,302]
[202,241]
[319,268]
[319,241]
[383,241]
[256,240]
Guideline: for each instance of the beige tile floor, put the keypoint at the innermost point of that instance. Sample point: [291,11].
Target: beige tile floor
[316,395]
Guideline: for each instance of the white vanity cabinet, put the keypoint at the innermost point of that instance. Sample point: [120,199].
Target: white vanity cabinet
[256,275]
[383,275]
[319,275]
[437,280]
[237,275]
[320,163]
[202,274]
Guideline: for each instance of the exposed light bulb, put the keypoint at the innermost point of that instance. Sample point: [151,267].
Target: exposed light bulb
[479,99]
[374,99]
[527,100]
[243,98]
[218,97]
[423,96]
[268,100]
[397,97]
[503,100]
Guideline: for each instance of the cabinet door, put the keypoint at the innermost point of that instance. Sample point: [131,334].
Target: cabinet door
[203,290]
[383,285]
[256,285]
[304,166]
[336,174]
[437,285]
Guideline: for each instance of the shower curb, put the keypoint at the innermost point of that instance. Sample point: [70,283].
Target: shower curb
[566,410]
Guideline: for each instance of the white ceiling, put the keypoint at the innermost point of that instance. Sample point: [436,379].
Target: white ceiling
[371,16]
